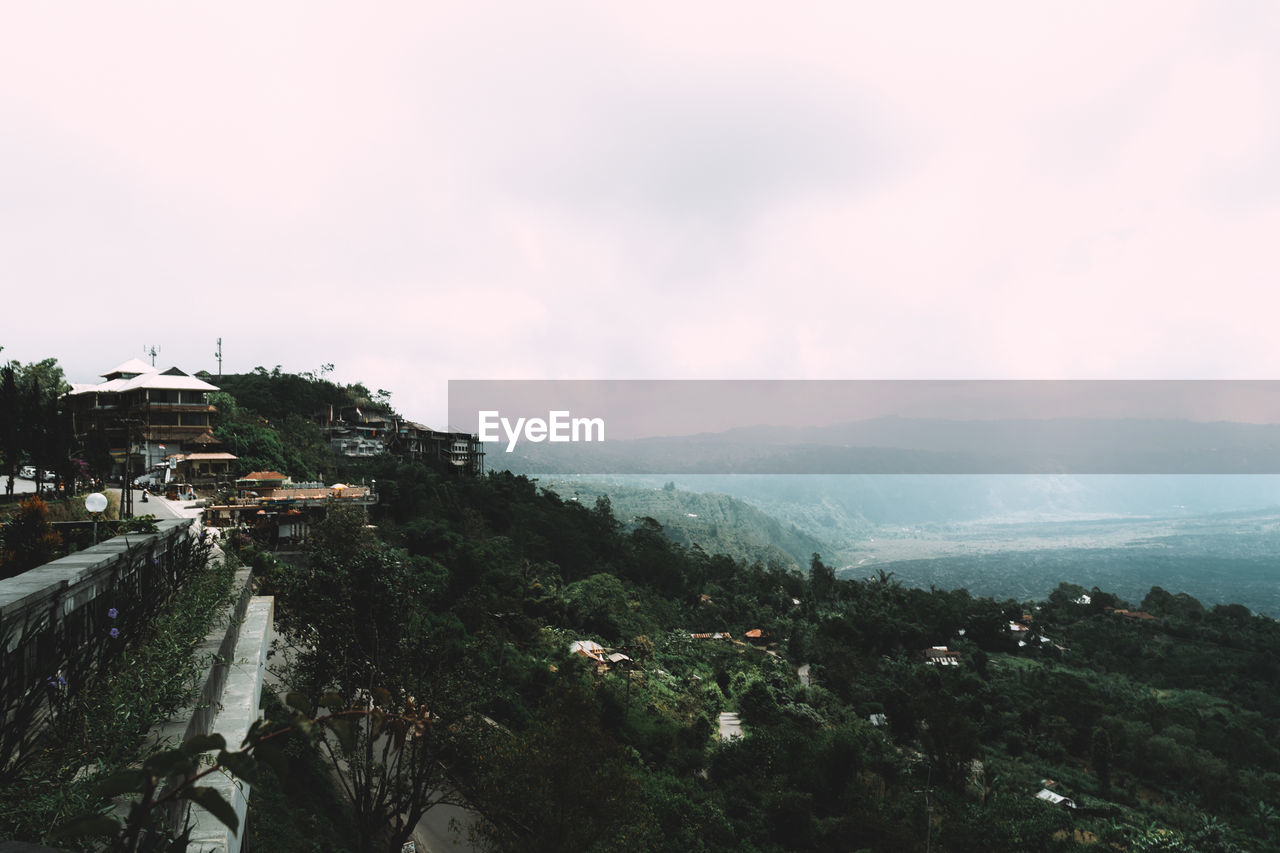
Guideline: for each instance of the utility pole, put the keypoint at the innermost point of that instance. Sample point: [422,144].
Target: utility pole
[132,426]
[126,488]
[928,811]
[218,356]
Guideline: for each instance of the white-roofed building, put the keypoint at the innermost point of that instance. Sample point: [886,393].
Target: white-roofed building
[1057,799]
[150,415]
[587,648]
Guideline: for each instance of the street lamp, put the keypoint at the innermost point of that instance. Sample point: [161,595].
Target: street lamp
[95,503]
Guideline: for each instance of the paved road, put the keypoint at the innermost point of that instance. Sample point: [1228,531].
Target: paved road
[162,507]
[444,828]
[20,486]
[730,726]
[159,507]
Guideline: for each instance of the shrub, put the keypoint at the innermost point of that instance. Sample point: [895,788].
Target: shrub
[27,539]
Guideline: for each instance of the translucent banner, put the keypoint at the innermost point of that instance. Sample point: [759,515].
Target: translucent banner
[874,426]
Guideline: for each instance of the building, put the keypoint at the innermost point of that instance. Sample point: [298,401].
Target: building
[148,417]
[1056,799]
[941,656]
[285,510]
[588,649]
[354,433]
[358,435]
[1132,615]
[202,468]
[261,484]
[459,450]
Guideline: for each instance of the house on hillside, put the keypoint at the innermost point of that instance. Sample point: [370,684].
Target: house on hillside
[587,649]
[458,450]
[941,656]
[146,416]
[355,433]
[1056,799]
[1132,615]
[592,651]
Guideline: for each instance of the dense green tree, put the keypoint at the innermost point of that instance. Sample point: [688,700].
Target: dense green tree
[1100,755]
[10,424]
[355,621]
[563,783]
[822,581]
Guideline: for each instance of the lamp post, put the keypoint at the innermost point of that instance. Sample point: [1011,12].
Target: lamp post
[95,503]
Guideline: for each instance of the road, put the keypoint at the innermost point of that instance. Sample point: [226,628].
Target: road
[20,486]
[157,506]
[730,726]
[444,828]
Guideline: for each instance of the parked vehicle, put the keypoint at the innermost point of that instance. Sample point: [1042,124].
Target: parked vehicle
[28,472]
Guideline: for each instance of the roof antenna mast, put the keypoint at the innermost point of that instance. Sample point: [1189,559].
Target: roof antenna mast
[151,351]
[218,356]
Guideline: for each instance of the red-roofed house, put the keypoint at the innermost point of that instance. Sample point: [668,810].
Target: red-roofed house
[262,483]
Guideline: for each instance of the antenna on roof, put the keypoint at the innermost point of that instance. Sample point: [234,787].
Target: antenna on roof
[151,351]
[218,356]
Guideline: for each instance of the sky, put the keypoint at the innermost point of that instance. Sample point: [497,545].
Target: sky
[421,192]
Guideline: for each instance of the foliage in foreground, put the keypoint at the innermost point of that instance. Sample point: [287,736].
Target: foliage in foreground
[138,669]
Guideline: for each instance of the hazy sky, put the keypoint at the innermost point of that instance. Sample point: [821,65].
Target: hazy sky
[423,191]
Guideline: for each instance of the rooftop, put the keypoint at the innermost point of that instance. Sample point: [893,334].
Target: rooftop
[138,374]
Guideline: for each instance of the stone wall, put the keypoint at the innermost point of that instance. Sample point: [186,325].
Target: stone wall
[56,619]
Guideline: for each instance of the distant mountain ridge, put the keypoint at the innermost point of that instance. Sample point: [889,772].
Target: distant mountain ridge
[717,523]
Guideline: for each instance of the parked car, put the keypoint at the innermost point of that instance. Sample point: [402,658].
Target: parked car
[28,472]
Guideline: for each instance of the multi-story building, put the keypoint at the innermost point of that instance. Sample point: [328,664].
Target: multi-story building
[459,450]
[361,434]
[147,415]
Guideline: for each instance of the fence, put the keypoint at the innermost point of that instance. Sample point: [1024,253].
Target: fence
[56,621]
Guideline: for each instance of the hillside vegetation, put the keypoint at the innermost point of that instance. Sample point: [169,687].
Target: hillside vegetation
[716,523]
[452,620]
[1160,730]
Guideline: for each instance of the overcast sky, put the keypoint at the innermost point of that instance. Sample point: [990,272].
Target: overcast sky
[424,191]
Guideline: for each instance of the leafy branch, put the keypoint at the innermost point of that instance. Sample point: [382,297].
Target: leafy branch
[151,783]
